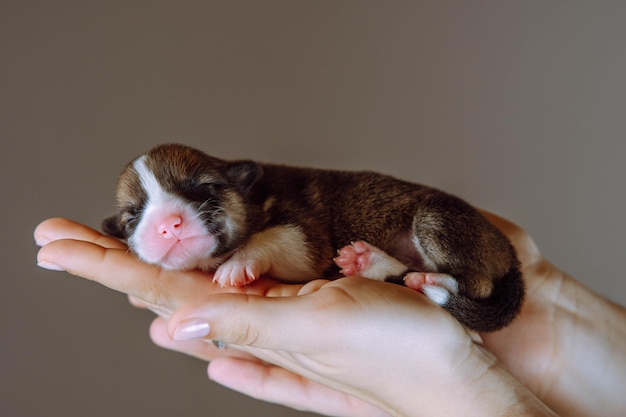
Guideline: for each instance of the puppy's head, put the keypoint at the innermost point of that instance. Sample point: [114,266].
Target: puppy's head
[182,209]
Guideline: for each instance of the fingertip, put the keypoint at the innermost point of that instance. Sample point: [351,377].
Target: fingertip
[191,329]
[49,266]
[137,302]
[527,249]
[200,349]
[58,254]
[181,324]
[41,239]
[46,231]
[231,318]
[235,373]
[47,257]
[59,228]
[247,320]
[158,333]
[215,369]
[312,286]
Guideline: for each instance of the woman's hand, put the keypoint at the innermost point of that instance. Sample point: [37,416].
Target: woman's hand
[82,251]
[568,345]
[87,253]
[354,338]
[380,343]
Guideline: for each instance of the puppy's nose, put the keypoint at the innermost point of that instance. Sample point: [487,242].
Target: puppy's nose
[170,227]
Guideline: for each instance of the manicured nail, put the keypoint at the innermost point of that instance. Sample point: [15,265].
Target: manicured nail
[191,329]
[41,240]
[50,266]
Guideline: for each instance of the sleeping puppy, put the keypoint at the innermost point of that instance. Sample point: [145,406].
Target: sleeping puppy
[182,209]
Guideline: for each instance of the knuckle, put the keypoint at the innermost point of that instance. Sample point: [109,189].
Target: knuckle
[248,335]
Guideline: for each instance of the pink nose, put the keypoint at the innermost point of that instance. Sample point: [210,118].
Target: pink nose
[170,227]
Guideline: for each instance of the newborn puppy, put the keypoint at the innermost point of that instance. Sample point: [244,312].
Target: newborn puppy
[182,209]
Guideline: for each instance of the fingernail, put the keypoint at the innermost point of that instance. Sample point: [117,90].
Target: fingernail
[41,240]
[50,266]
[191,329]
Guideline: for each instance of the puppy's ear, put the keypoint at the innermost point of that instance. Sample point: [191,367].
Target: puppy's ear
[244,174]
[112,226]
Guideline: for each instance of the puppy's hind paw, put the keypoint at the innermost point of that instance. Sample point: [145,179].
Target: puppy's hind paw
[437,287]
[353,259]
[361,258]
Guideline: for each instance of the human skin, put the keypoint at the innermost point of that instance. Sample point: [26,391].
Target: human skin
[540,348]
[569,344]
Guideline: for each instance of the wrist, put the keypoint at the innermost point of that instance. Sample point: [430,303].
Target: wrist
[487,389]
[588,351]
[471,384]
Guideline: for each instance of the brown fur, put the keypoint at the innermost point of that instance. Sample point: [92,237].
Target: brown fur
[334,208]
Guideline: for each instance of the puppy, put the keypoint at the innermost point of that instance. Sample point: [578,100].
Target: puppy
[182,209]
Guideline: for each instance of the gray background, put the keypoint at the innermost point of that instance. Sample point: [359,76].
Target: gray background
[518,107]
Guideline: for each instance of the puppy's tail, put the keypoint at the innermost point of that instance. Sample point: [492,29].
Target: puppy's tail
[494,312]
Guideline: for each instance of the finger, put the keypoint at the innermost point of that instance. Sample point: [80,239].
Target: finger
[526,248]
[163,312]
[249,320]
[274,384]
[121,271]
[137,302]
[201,349]
[114,268]
[60,228]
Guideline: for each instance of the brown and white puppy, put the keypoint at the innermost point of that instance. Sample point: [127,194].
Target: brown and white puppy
[182,209]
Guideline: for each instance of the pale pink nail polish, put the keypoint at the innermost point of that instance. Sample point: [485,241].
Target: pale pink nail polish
[50,266]
[191,329]
[41,240]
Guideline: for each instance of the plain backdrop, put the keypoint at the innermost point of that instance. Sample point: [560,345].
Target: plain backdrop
[518,107]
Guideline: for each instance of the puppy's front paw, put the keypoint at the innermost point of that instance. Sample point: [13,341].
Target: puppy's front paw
[236,272]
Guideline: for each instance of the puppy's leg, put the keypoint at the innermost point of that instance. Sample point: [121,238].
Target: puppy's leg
[280,251]
[361,258]
[435,286]
[243,267]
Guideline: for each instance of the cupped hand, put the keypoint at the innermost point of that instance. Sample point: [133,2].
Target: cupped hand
[380,343]
[87,253]
[527,346]
[337,336]
[323,349]
[567,343]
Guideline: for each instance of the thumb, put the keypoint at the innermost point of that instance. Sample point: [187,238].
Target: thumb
[247,320]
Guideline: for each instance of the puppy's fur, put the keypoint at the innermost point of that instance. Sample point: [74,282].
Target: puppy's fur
[182,209]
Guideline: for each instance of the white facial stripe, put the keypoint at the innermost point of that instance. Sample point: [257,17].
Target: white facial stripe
[195,244]
[156,197]
[148,181]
